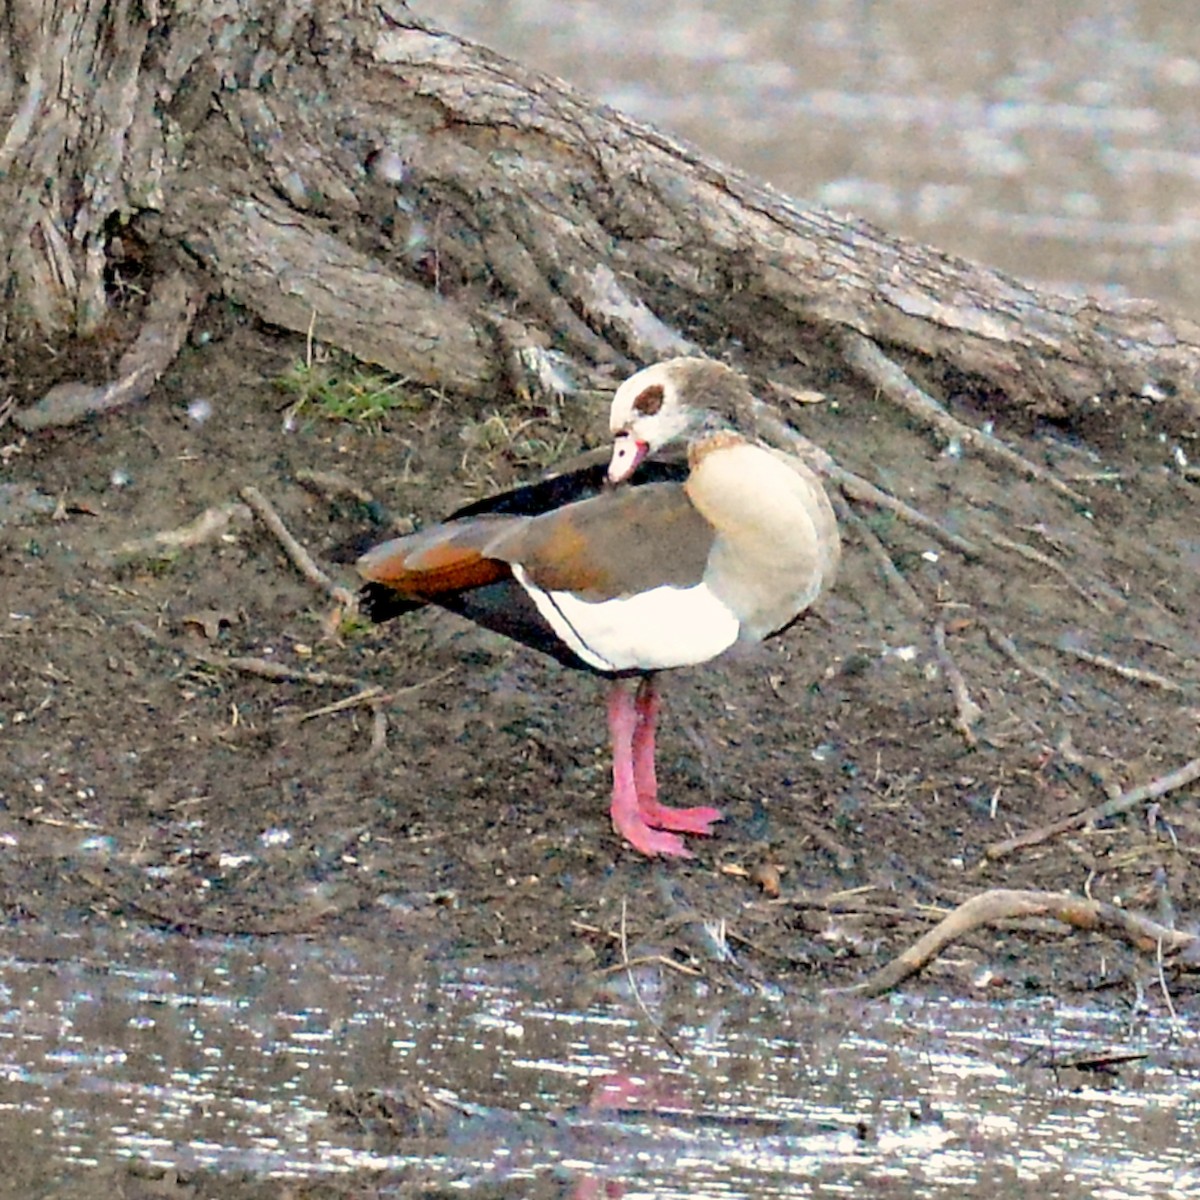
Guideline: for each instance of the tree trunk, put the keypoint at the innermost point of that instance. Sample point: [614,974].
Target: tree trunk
[338,166]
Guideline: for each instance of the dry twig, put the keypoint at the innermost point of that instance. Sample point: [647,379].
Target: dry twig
[1162,987]
[843,856]
[372,696]
[378,701]
[1170,782]
[1100,770]
[969,713]
[333,483]
[655,960]
[262,667]
[637,995]
[299,556]
[900,585]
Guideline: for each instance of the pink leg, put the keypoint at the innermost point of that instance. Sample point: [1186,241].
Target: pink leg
[627,817]
[660,816]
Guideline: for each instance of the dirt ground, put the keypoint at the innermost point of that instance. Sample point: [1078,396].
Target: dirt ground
[144,778]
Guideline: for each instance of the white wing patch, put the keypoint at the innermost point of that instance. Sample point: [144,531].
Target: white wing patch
[664,627]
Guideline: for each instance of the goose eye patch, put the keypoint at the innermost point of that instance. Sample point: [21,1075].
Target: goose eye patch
[649,401]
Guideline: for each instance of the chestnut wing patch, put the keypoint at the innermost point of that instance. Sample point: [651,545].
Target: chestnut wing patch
[614,545]
[445,558]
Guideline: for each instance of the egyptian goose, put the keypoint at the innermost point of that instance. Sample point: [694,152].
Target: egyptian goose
[633,567]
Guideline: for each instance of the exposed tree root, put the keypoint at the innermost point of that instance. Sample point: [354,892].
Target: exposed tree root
[1003,904]
[1114,806]
[1008,647]
[1136,674]
[865,356]
[210,524]
[1044,560]
[169,315]
[969,713]
[610,306]
[896,581]
[1100,770]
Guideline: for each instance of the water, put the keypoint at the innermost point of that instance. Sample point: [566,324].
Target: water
[278,1058]
[1058,140]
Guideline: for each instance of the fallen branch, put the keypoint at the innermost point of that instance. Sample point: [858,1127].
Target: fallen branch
[1003,904]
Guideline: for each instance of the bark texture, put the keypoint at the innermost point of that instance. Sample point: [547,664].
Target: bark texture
[428,205]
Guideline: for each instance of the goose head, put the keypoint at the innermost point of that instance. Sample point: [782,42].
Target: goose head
[670,403]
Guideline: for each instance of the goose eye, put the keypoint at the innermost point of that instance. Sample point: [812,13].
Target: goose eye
[649,401]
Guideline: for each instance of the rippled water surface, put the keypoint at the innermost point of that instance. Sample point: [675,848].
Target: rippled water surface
[281,1059]
[1057,140]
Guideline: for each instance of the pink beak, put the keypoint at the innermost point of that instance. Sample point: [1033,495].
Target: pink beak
[627,453]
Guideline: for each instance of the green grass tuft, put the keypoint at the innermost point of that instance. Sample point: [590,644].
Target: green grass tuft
[343,389]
